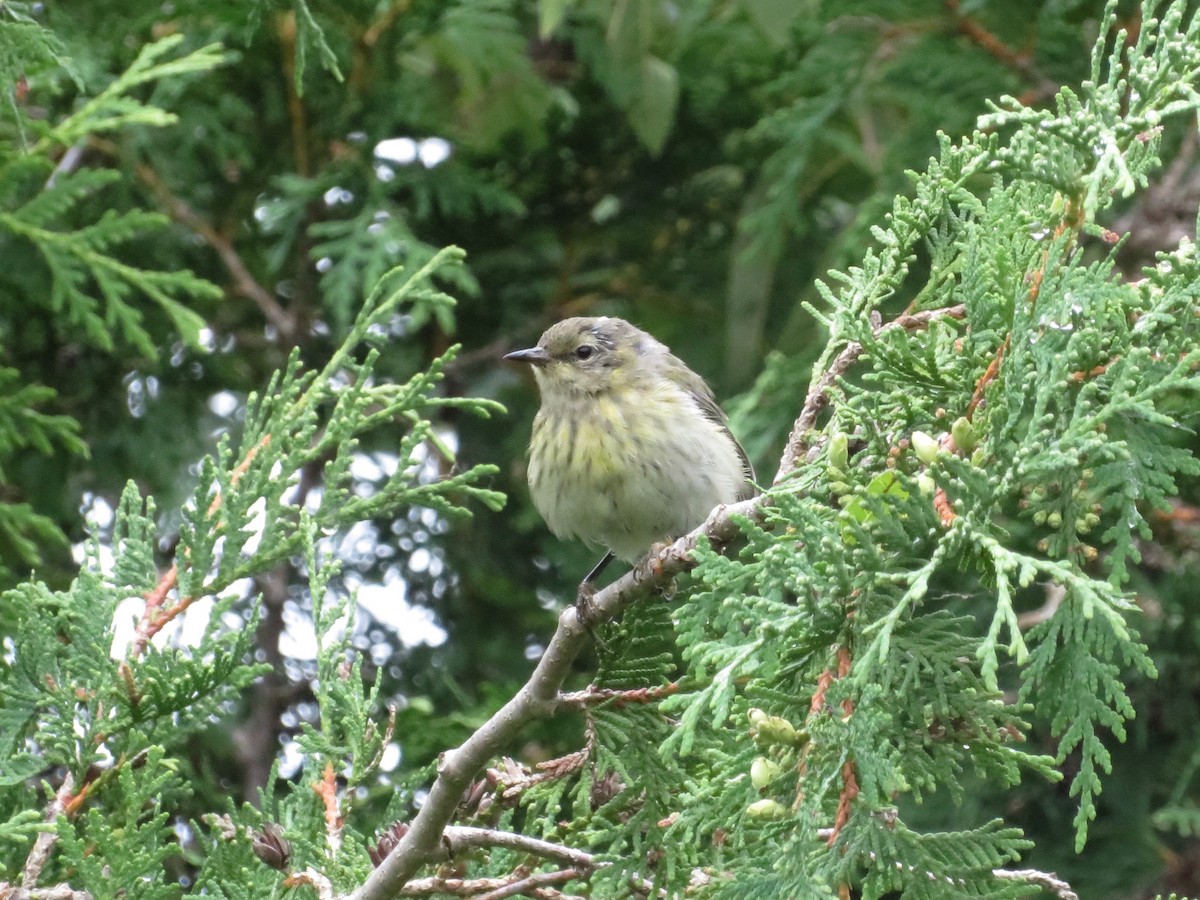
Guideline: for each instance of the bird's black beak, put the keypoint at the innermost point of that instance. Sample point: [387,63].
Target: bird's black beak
[536,356]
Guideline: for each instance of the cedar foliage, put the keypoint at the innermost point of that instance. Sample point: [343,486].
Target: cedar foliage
[863,654]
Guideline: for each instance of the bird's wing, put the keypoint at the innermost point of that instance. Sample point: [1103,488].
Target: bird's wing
[703,395]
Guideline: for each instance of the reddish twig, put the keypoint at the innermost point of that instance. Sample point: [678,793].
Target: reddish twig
[1020,61]
[847,796]
[314,879]
[154,617]
[849,772]
[516,779]
[326,789]
[824,680]
[1180,512]
[943,507]
[1070,221]
[593,696]
[988,376]
[1094,372]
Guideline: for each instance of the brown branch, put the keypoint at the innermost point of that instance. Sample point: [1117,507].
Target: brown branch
[1093,372]
[383,22]
[849,771]
[1070,221]
[818,396]
[845,798]
[824,680]
[244,283]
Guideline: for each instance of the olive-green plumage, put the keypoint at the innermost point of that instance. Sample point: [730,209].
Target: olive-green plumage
[629,446]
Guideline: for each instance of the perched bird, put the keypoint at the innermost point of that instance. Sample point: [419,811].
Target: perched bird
[629,446]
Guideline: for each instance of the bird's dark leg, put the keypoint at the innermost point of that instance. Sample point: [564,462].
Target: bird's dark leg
[599,568]
[587,590]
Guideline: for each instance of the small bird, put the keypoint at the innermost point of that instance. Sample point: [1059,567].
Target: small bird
[629,446]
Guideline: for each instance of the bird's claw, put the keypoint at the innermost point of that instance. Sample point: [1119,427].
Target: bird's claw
[584,607]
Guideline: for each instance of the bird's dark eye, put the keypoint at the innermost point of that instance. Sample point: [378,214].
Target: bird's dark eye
[583,351]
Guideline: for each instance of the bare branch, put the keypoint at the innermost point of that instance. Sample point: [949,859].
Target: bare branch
[68,164]
[1020,61]
[476,887]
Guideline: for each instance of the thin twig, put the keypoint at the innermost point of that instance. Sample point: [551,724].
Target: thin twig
[1055,594]
[460,839]
[849,791]
[1047,880]
[54,892]
[68,164]
[326,789]
[382,23]
[529,883]
[593,696]
[818,396]
[988,376]
[244,282]
[314,879]
[44,843]
[439,885]
[1019,61]
[154,617]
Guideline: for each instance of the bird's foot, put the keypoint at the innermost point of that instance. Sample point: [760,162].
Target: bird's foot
[584,607]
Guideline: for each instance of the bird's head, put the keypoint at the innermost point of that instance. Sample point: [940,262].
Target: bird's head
[583,356]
